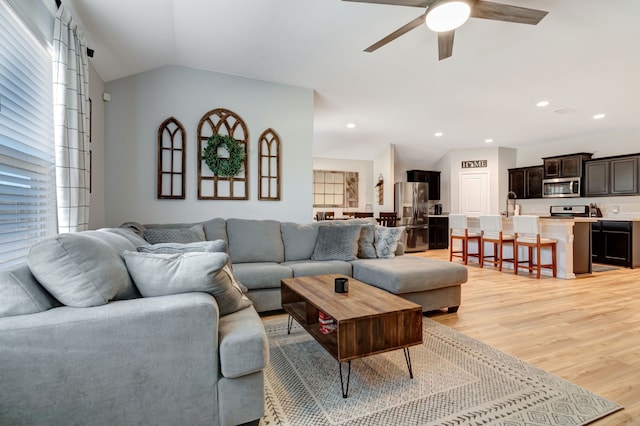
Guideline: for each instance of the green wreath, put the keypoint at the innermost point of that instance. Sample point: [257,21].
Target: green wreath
[224,166]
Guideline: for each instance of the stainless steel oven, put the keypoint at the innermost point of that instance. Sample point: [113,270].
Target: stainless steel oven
[561,187]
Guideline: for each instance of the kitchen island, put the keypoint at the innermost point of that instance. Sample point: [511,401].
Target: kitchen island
[573,249]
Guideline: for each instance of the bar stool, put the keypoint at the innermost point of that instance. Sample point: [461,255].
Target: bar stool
[526,231]
[491,231]
[459,230]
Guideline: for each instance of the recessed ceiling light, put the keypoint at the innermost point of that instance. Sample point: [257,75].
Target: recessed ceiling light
[598,116]
[351,125]
[542,104]
[488,140]
[438,134]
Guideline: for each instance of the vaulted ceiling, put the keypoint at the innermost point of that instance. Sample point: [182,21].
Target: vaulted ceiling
[584,58]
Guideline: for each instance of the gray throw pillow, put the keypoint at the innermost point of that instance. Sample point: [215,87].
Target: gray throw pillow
[337,243]
[20,294]
[174,235]
[216,246]
[366,247]
[82,269]
[165,274]
[386,241]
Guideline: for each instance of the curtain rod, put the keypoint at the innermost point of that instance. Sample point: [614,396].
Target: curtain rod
[90,52]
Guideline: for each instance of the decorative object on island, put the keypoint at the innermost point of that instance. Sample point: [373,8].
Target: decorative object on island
[380,186]
[212,186]
[269,166]
[171,160]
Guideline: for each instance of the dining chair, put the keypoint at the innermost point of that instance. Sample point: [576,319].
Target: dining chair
[491,232]
[459,230]
[388,219]
[526,232]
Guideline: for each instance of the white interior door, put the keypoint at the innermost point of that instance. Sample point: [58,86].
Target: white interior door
[474,193]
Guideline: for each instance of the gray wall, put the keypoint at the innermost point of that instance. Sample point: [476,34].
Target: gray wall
[140,103]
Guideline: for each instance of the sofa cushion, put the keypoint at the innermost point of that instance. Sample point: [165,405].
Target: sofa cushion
[215,229]
[175,235]
[299,240]
[21,294]
[366,247]
[261,275]
[165,274]
[386,241]
[337,243]
[243,344]
[408,274]
[82,269]
[254,241]
[305,268]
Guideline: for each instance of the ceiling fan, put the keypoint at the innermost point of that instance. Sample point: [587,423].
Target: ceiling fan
[444,16]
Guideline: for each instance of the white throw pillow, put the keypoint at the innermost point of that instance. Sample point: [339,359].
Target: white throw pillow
[386,241]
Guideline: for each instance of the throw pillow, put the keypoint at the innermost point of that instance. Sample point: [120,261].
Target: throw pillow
[386,241]
[81,269]
[165,274]
[366,247]
[174,235]
[336,243]
[20,294]
[216,246]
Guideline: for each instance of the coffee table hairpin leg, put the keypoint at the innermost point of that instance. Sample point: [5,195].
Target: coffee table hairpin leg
[345,390]
[289,324]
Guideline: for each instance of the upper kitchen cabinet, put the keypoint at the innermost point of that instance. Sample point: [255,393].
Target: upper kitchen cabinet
[565,165]
[526,182]
[431,177]
[612,176]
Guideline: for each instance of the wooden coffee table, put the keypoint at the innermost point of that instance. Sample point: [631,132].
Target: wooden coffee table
[368,320]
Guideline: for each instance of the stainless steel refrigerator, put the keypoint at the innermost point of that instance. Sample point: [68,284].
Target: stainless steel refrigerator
[411,203]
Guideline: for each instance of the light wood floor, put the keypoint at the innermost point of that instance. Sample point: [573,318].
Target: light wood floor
[585,330]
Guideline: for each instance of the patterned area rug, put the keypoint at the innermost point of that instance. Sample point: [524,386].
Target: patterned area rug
[457,381]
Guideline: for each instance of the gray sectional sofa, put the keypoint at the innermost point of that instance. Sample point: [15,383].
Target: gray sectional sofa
[264,252]
[79,344]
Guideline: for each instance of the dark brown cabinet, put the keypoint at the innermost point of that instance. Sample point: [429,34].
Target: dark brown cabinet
[615,243]
[526,182]
[612,176]
[431,177]
[565,165]
[438,232]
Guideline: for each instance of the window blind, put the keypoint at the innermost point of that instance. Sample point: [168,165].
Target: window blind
[27,169]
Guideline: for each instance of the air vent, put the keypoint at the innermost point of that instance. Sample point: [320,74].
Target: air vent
[564,111]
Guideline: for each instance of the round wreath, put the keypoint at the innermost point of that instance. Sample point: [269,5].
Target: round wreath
[224,166]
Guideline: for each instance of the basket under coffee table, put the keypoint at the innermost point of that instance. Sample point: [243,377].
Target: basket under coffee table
[368,320]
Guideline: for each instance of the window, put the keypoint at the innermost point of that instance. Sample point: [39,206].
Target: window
[335,189]
[27,172]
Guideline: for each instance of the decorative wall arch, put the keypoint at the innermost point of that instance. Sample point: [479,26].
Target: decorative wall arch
[269,181]
[212,187]
[171,160]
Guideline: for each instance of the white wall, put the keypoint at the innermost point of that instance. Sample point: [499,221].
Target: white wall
[384,165]
[141,102]
[365,181]
[97,208]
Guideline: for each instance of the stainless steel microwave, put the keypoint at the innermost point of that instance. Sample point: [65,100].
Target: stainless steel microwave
[561,187]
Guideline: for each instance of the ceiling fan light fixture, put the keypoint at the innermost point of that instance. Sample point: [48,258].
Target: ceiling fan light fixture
[447,15]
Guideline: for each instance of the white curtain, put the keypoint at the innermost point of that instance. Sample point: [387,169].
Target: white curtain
[71,122]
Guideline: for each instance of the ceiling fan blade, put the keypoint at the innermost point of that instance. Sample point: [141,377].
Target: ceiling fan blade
[412,3]
[445,44]
[504,12]
[397,33]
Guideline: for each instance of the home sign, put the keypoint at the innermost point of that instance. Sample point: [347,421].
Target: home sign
[474,164]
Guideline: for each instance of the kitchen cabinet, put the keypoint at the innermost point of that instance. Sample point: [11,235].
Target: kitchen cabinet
[526,182]
[438,232]
[612,176]
[615,243]
[431,177]
[565,165]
